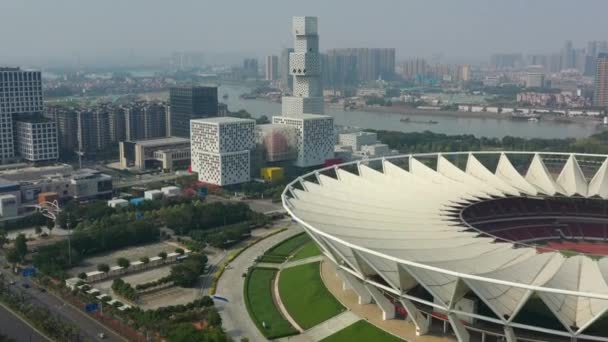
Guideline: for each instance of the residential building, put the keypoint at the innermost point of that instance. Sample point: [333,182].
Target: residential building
[221,149]
[600,96]
[67,128]
[20,93]
[117,124]
[272,68]
[502,61]
[93,129]
[145,121]
[410,69]
[339,72]
[187,103]
[372,63]
[36,139]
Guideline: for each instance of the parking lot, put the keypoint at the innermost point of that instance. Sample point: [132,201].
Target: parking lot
[131,253]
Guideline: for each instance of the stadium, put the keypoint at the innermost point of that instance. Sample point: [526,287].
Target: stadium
[483,246]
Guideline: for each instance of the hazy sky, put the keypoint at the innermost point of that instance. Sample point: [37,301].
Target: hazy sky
[98,29]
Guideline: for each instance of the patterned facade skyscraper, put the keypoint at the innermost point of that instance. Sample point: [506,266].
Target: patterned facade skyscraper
[303,110]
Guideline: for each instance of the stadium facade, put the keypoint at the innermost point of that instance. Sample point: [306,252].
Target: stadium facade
[468,243]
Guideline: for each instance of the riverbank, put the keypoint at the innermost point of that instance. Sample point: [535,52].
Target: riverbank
[404,110]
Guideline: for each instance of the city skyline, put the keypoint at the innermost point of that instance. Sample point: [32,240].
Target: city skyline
[106,33]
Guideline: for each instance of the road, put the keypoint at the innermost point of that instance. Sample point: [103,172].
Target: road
[89,328]
[235,318]
[13,327]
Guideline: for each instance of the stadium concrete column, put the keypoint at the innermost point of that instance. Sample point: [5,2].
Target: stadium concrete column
[357,286]
[461,332]
[421,321]
[510,334]
[388,309]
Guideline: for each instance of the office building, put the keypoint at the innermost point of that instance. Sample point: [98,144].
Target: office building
[36,139]
[600,97]
[372,63]
[20,93]
[187,103]
[221,149]
[302,111]
[250,68]
[286,78]
[272,68]
[165,153]
[535,80]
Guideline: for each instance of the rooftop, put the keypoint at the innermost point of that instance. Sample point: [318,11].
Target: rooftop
[222,119]
[162,141]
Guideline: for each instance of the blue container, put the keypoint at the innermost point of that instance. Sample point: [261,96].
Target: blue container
[137,201]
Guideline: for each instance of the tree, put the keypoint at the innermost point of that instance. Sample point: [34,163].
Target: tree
[12,256]
[3,238]
[103,268]
[82,275]
[162,255]
[144,259]
[179,251]
[21,246]
[123,262]
[38,230]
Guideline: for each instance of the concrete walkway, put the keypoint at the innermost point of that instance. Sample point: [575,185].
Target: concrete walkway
[325,329]
[302,261]
[268,265]
[279,303]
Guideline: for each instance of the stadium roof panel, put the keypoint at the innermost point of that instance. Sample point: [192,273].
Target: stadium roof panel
[394,222]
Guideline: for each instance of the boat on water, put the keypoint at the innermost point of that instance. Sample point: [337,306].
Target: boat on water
[533,120]
[408,120]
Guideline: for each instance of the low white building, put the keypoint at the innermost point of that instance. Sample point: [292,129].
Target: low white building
[153,195]
[8,206]
[170,191]
[118,203]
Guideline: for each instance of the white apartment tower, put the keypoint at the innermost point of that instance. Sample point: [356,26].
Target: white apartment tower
[20,93]
[221,149]
[303,110]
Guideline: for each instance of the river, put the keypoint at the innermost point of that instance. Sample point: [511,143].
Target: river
[488,127]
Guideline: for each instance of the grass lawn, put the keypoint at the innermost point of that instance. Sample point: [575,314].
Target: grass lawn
[283,250]
[361,331]
[310,249]
[258,297]
[305,296]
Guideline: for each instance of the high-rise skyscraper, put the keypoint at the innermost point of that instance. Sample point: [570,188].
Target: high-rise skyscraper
[93,130]
[372,63]
[272,68]
[600,97]
[145,121]
[286,78]
[250,68]
[315,132]
[338,71]
[187,103]
[568,55]
[20,93]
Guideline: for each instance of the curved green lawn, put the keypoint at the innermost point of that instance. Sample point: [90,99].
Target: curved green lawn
[304,295]
[280,252]
[260,304]
[361,331]
[310,249]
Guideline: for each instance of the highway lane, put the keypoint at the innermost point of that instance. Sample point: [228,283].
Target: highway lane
[13,327]
[235,317]
[89,328]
